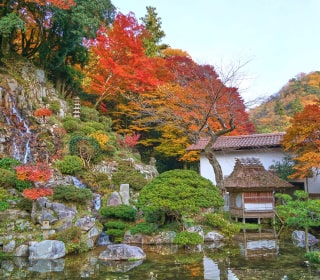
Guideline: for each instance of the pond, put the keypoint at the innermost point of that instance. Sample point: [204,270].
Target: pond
[251,256]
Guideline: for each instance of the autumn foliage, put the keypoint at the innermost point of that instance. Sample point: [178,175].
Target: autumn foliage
[39,172]
[36,193]
[303,139]
[43,113]
[61,4]
[130,141]
[119,65]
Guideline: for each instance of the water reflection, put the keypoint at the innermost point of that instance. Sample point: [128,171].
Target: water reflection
[251,257]
[258,244]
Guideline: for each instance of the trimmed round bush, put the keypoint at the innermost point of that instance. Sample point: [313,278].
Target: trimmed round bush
[71,125]
[69,164]
[178,193]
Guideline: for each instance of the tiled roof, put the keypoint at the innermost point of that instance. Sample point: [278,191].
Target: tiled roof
[241,142]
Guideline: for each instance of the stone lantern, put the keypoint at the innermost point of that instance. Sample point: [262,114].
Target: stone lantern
[46,228]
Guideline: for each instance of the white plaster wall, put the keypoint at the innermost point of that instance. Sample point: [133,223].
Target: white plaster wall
[227,160]
[267,157]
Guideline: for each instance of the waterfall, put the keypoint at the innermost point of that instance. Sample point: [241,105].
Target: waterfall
[78,183]
[21,134]
[96,197]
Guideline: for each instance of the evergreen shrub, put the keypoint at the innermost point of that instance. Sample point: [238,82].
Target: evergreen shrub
[9,163]
[21,185]
[71,125]
[70,193]
[127,174]
[69,164]
[144,228]
[187,238]
[124,212]
[7,178]
[117,225]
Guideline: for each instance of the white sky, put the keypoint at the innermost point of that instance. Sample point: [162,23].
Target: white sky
[280,38]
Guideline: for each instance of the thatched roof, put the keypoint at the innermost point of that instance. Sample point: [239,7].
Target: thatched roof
[250,175]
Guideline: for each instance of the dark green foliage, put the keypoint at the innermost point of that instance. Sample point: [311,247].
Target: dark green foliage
[71,125]
[89,114]
[71,193]
[9,163]
[7,178]
[21,185]
[85,147]
[155,216]
[4,205]
[116,235]
[25,204]
[124,212]
[54,106]
[144,228]
[126,174]
[179,193]
[283,168]
[69,164]
[187,238]
[113,224]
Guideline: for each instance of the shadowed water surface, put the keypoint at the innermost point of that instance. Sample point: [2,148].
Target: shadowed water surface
[248,258]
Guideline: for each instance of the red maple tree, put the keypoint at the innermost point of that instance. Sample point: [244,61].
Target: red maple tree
[43,113]
[121,66]
[36,173]
[39,172]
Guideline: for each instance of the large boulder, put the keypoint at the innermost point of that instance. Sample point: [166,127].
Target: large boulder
[114,199]
[298,237]
[213,236]
[47,249]
[22,251]
[85,223]
[120,252]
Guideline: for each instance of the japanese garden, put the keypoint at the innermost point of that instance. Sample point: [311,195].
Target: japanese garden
[123,158]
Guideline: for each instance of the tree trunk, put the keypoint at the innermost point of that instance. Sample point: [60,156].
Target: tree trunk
[215,164]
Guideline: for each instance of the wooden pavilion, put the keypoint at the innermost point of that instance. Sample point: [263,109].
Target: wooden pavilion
[251,190]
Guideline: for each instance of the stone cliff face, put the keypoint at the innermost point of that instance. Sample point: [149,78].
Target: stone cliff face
[22,91]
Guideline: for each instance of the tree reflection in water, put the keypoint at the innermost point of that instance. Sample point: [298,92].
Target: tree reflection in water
[249,257]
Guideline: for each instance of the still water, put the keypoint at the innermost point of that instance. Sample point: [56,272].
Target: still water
[251,256]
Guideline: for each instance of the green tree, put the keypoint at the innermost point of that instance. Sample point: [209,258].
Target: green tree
[64,48]
[178,194]
[279,109]
[301,212]
[153,24]
[284,168]
[296,105]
